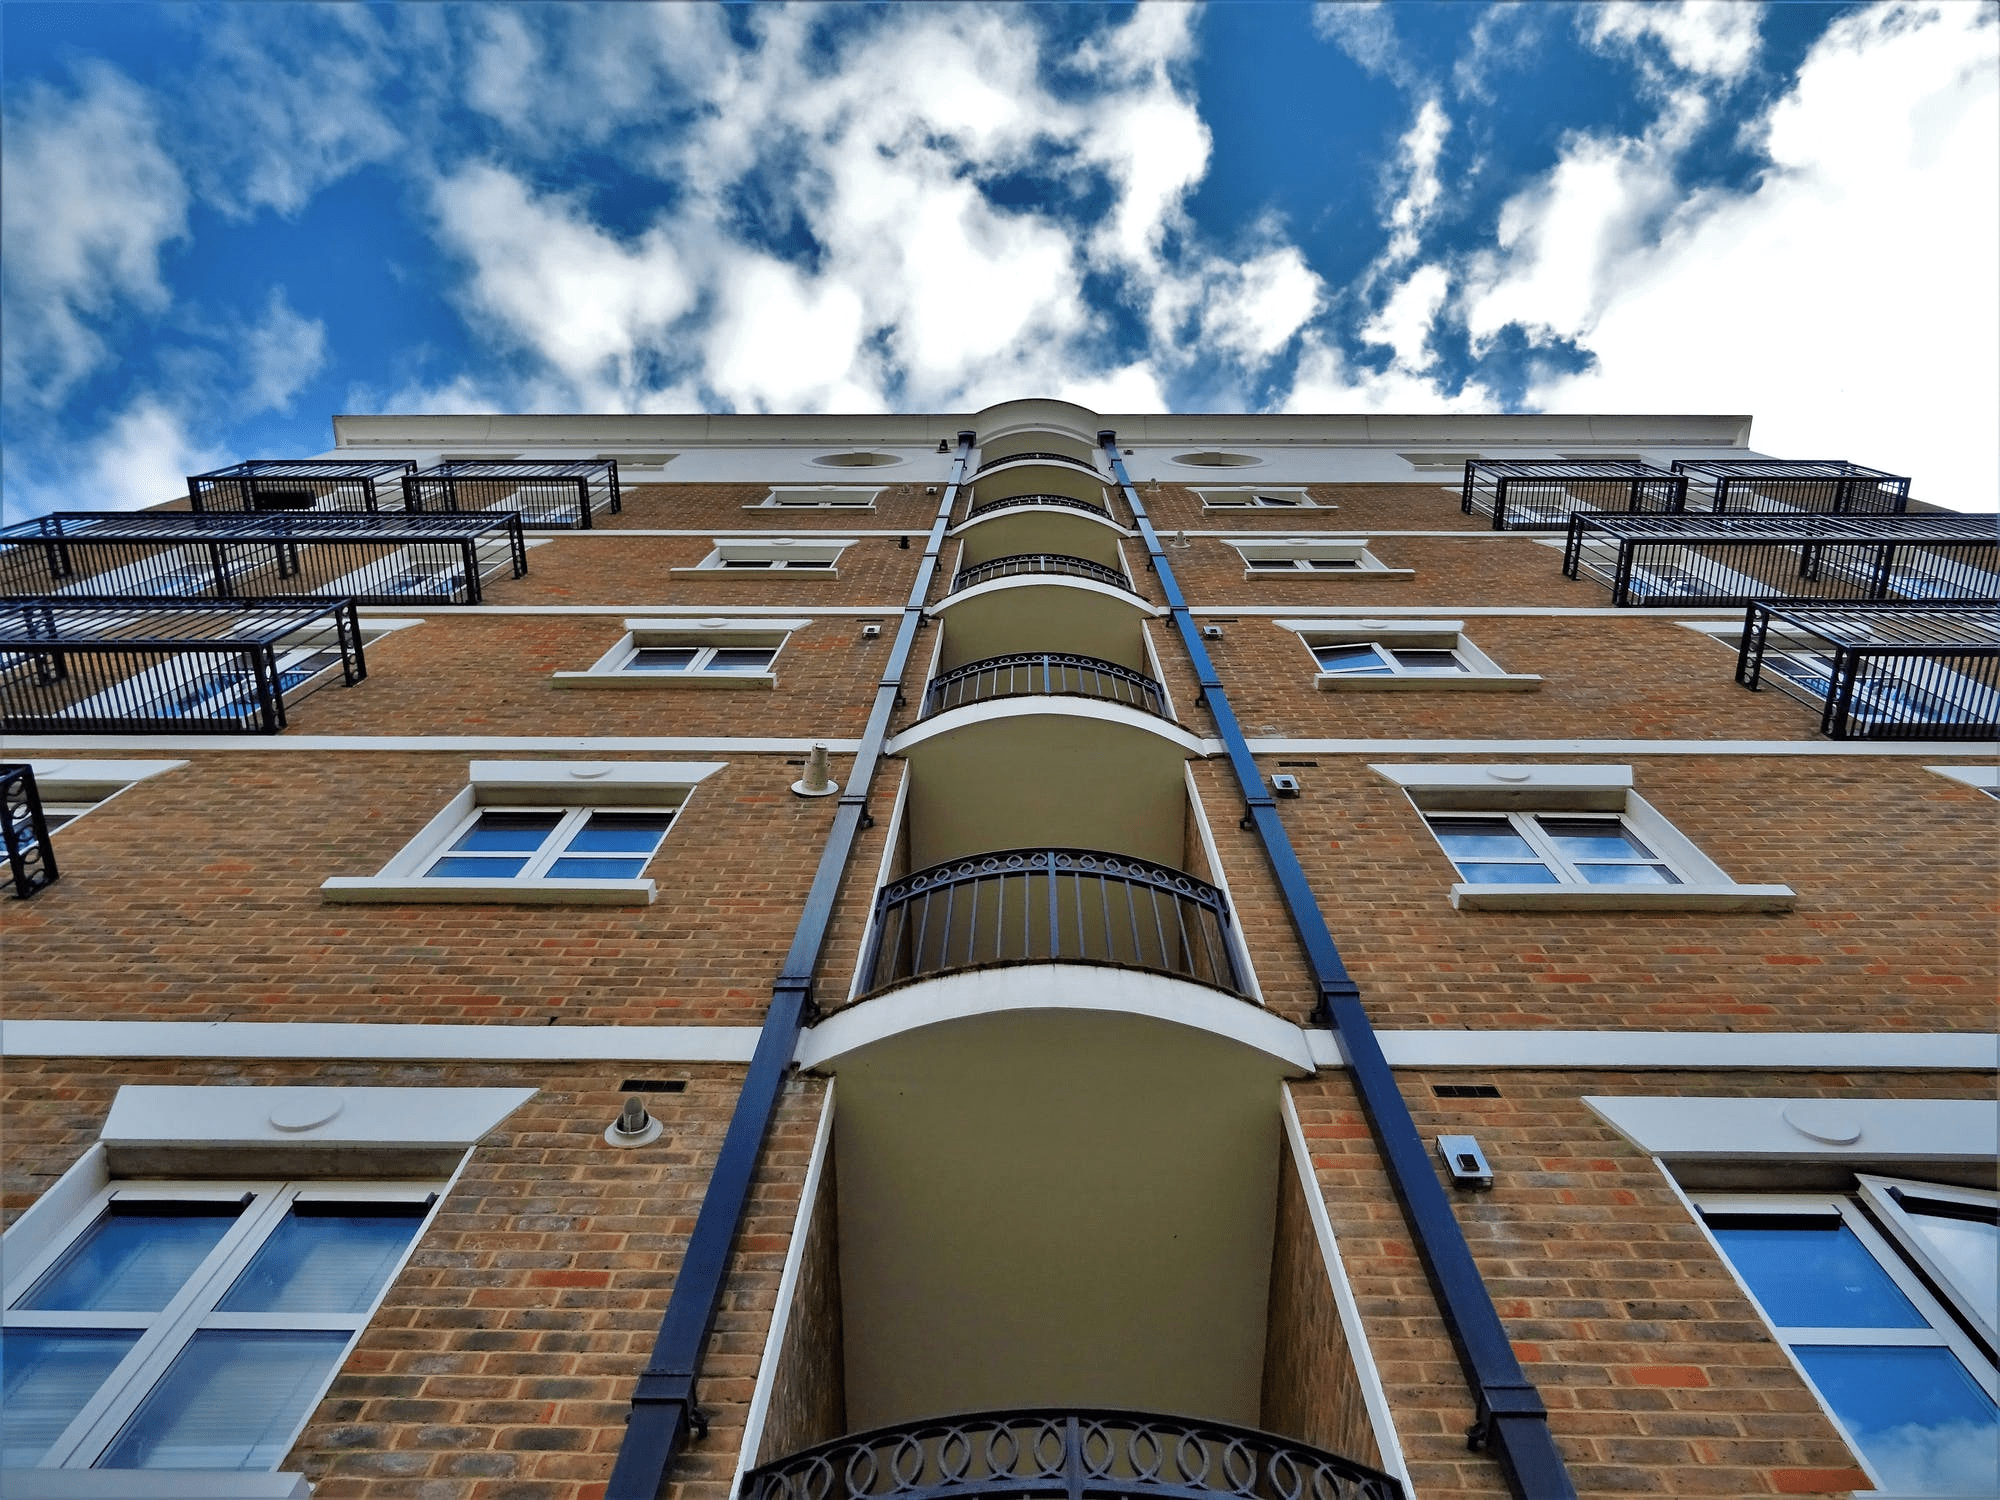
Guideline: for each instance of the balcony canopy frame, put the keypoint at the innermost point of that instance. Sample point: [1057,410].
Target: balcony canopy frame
[548,493]
[1880,672]
[109,666]
[389,558]
[1039,456]
[1743,558]
[1048,674]
[301,484]
[1042,564]
[1787,486]
[1012,502]
[1542,494]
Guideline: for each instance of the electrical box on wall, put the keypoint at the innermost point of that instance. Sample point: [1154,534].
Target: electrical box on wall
[1465,1161]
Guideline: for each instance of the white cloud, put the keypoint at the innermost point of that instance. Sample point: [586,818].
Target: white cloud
[279,355]
[1417,157]
[141,457]
[1406,319]
[1362,29]
[1715,38]
[1325,382]
[1252,311]
[88,200]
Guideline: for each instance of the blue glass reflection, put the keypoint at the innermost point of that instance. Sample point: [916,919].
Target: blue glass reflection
[1816,1275]
[1920,1419]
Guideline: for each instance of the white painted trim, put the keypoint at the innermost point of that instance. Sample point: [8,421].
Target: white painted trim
[891,845]
[1430,682]
[1553,611]
[1042,510]
[562,776]
[993,710]
[378,1040]
[1819,747]
[1813,1051]
[1530,780]
[1132,601]
[693,611]
[731,625]
[781,1309]
[848,533]
[615,680]
[1985,778]
[1239,943]
[457,744]
[545,890]
[1412,627]
[153,1484]
[1680,1128]
[1079,987]
[1687,896]
[247,1115]
[46,1220]
[1373,1396]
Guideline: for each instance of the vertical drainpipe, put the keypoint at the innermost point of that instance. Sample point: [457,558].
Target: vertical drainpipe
[1509,1418]
[663,1400]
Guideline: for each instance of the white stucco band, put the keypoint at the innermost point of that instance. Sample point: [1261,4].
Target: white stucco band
[1878,1130]
[184,1115]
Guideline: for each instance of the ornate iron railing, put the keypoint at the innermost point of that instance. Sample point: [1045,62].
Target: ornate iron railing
[1787,486]
[1067,502]
[296,484]
[1040,562]
[1046,1454]
[31,858]
[1037,906]
[1044,673]
[1880,672]
[545,492]
[1541,495]
[1039,457]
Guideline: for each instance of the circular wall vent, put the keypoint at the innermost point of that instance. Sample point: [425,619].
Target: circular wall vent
[856,460]
[1217,460]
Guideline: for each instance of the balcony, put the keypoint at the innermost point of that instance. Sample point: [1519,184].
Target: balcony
[1010,502]
[1528,495]
[1047,674]
[299,484]
[1035,455]
[162,555]
[1041,906]
[547,493]
[31,859]
[1788,486]
[193,668]
[1069,1453]
[1880,673]
[1743,558]
[1048,564]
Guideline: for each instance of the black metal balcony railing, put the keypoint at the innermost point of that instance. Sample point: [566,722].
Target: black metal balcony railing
[1527,495]
[297,484]
[1066,1455]
[1037,906]
[1880,672]
[212,667]
[1742,558]
[31,858]
[551,492]
[1045,673]
[168,555]
[1053,563]
[1038,456]
[1011,501]
[1787,486]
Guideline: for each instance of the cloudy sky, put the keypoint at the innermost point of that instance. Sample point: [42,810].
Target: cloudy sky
[223,223]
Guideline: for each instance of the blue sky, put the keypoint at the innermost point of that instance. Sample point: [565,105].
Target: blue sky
[224,223]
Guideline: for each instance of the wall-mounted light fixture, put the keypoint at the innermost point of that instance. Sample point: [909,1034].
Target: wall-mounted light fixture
[1465,1161]
[1285,785]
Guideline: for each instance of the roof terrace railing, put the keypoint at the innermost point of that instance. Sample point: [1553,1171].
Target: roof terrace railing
[1038,456]
[211,667]
[301,484]
[31,858]
[1535,495]
[1742,558]
[1046,674]
[1055,564]
[1011,501]
[1788,486]
[160,555]
[1040,906]
[1067,1454]
[548,493]
[1880,672]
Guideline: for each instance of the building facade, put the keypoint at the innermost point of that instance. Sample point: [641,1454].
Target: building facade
[1028,952]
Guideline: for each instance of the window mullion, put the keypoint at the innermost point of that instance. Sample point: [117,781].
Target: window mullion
[553,845]
[1545,851]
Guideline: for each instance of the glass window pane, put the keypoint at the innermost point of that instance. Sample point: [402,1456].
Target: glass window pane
[318,1261]
[1359,659]
[661,659]
[1967,1249]
[46,1376]
[1918,1416]
[619,833]
[1815,1274]
[508,832]
[454,868]
[1334,562]
[134,1259]
[747,562]
[740,659]
[1491,873]
[1270,562]
[1628,874]
[1594,838]
[598,868]
[1430,661]
[1480,838]
[233,1400]
[809,562]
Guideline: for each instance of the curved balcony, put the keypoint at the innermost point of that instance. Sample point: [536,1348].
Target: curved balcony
[988,507]
[1069,1454]
[1051,563]
[1042,906]
[1037,456]
[1052,674]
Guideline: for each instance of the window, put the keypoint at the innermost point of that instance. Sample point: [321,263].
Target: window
[1286,555]
[1260,500]
[1399,655]
[718,653]
[700,659]
[822,498]
[1846,1282]
[771,554]
[195,1325]
[539,832]
[1525,838]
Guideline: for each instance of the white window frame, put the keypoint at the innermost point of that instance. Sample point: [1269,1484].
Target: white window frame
[817,497]
[1564,790]
[614,669]
[1482,673]
[1883,1197]
[1350,556]
[809,557]
[609,786]
[1263,497]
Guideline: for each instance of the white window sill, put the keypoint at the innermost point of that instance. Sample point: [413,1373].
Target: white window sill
[1428,682]
[753,572]
[767,506]
[150,1484]
[1349,575]
[621,680]
[356,889]
[1623,897]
